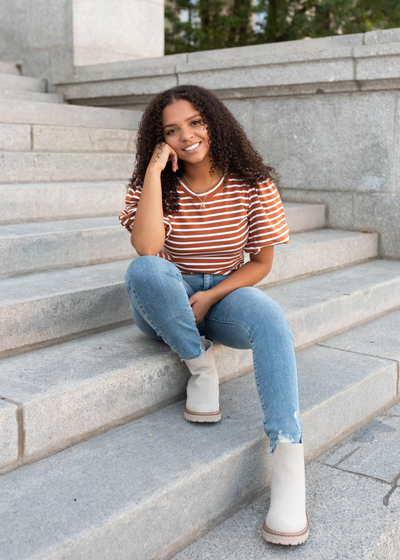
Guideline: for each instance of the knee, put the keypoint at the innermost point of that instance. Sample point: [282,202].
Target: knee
[146,268]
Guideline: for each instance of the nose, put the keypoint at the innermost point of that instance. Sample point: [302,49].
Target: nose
[186,133]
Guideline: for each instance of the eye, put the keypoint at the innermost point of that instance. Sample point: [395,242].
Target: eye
[194,123]
[170,131]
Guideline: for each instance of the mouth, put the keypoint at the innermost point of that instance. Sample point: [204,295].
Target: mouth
[192,148]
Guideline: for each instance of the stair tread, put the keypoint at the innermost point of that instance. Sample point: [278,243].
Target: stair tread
[361,525]
[60,500]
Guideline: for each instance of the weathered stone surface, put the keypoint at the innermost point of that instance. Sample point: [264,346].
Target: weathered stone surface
[48,167]
[31,96]
[324,154]
[379,338]
[48,245]
[67,115]
[382,36]
[9,68]
[132,470]
[304,217]
[15,137]
[8,433]
[79,139]
[49,201]
[9,81]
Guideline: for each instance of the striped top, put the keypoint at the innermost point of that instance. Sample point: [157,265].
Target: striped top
[212,241]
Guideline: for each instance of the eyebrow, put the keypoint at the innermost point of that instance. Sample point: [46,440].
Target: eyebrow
[189,119]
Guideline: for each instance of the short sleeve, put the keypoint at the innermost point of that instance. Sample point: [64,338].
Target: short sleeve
[127,216]
[267,222]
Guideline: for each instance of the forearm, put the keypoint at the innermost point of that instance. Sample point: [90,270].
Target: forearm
[248,275]
[148,233]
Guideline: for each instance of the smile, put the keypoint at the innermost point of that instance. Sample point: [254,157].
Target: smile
[192,147]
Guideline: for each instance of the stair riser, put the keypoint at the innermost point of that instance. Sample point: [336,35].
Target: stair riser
[9,68]
[18,112]
[33,253]
[31,96]
[48,167]
[24,138]
[22,83]
[66,250]
[60,202]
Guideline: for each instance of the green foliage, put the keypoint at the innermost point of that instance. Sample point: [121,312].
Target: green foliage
[218,24]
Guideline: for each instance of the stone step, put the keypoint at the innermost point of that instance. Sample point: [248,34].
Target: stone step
[352,489]
[46,306]
[51,201]
[110,378]
[10,68]
[40,246]
[22,167]
[38,138]
[22,83]
[32,247]
[161,482]
[60,201]
[32,96]
[58,114]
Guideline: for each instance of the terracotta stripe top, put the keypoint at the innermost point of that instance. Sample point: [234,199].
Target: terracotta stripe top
[212,240]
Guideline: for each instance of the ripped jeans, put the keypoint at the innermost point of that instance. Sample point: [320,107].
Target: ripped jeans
[245,318]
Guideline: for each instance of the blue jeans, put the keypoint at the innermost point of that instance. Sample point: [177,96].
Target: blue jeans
[245,318]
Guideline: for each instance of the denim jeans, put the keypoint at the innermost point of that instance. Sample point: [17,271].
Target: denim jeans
[245,318]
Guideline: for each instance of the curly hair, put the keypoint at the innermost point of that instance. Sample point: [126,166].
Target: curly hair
[230,149]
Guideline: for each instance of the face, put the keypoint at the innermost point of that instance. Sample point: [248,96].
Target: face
[185,132]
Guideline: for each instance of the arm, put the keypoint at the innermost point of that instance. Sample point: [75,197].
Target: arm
[249,274]
[148,233]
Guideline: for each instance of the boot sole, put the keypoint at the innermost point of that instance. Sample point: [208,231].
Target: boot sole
[192,416]
[285,538]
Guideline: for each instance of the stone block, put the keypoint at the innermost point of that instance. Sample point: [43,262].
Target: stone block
[67,115]
[40,246]
[54,304]
[304,217]
[57,201]
[79,139]
[24,83]
[320,143]
[380,338]
[9,68]
[382,36]
[318,251]
[8,434]
[52,167]
[15,137]
[377,62]
[243,113]
[50,24]
[32,96]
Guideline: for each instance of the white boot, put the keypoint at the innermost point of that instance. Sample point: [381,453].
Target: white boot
[202,404]
[287,522]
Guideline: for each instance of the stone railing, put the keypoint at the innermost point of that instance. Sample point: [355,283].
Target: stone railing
[324,112]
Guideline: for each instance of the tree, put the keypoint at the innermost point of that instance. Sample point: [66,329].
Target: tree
[194,25]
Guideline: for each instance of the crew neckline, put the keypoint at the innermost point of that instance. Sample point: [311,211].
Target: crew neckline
[206,193]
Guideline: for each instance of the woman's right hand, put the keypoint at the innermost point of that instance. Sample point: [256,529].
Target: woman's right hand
[162,154]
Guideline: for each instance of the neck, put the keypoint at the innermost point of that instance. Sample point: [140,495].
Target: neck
[199,175]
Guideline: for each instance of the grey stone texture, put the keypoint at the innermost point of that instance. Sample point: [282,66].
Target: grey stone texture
[21,167]
[9,68]
[31,96]
[351,513]
[9,433]
[131,469]
[24,83]
[59,201]
[61,244]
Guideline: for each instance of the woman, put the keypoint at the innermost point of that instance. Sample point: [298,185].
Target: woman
[200,195]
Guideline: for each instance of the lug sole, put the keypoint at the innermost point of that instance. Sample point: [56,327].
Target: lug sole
[192,416]
[285,538]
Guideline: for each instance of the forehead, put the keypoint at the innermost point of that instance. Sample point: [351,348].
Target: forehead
[179,110]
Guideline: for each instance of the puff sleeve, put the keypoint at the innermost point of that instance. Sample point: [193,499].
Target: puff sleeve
[266,217]
[127,216]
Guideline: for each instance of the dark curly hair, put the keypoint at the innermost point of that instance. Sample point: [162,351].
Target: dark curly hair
[230,149]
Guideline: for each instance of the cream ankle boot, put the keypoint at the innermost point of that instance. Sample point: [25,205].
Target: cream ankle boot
[287,522]
[202,404]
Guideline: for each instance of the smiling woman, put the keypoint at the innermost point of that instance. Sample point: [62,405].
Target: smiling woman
[200,197]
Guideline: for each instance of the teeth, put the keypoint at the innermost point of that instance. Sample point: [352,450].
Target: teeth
[192,147]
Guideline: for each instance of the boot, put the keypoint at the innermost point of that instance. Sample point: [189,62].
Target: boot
[287,522]
[202,404]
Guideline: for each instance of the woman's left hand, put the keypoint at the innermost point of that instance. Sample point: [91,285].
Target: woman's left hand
[201,303]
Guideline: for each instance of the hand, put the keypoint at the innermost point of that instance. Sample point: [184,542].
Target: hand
[201,303]
[163,153]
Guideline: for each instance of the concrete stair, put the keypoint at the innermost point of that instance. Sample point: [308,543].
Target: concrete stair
[96,458]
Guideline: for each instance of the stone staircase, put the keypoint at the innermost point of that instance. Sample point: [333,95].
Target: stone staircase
[96,458]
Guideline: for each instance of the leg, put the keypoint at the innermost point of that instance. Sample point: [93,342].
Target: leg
[159,300]
[248,318]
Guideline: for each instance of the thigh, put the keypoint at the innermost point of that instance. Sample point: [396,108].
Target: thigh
[235,320]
